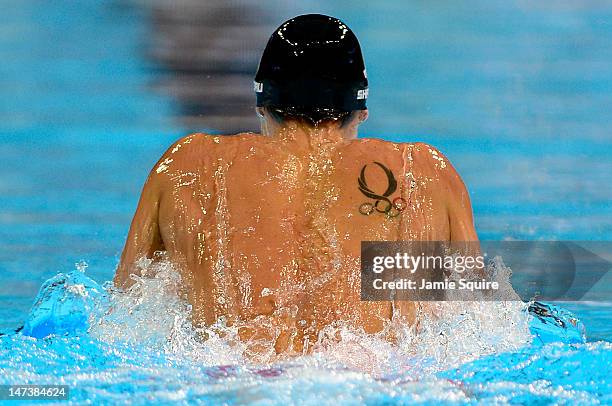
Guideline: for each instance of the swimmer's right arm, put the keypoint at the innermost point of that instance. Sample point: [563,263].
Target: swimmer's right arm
[144,237]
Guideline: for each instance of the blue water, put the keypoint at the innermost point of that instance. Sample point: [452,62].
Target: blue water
[514,93]
[75,335]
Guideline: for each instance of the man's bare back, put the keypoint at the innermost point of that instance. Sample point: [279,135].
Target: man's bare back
[266,231]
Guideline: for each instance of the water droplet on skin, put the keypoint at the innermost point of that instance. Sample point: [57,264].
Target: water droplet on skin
[164,165]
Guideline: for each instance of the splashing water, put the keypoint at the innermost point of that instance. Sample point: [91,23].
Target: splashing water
[153,313]
[139,345]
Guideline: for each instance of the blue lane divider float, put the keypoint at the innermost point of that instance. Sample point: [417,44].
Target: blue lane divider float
[64,305]
[551,323]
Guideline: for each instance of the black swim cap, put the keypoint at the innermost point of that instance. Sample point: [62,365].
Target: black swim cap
[312,61]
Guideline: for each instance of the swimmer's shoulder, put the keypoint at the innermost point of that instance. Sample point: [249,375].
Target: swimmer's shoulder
[192,152]
[184,154]
[432,163]
[418,152]
[196,142]
[424,160]
[193,148]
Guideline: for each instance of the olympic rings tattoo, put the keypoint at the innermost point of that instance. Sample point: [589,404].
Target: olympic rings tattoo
[366,209]
[382,203]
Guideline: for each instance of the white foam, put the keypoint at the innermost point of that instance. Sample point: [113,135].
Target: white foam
[152,312]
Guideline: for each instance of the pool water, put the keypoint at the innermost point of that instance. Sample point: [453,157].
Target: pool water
[139,346]
[515,94]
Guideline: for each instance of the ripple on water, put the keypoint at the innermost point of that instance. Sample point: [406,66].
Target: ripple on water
[140,346]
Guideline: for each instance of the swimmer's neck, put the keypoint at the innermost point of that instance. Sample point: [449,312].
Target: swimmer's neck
[303,134]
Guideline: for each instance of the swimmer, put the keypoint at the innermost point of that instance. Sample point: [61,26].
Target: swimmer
[265,229]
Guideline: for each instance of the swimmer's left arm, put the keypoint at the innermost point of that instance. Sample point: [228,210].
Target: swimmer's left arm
[144,237]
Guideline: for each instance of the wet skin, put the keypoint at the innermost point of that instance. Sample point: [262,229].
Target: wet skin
[266,230]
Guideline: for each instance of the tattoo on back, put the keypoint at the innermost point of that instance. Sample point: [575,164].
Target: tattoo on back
[382,202]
